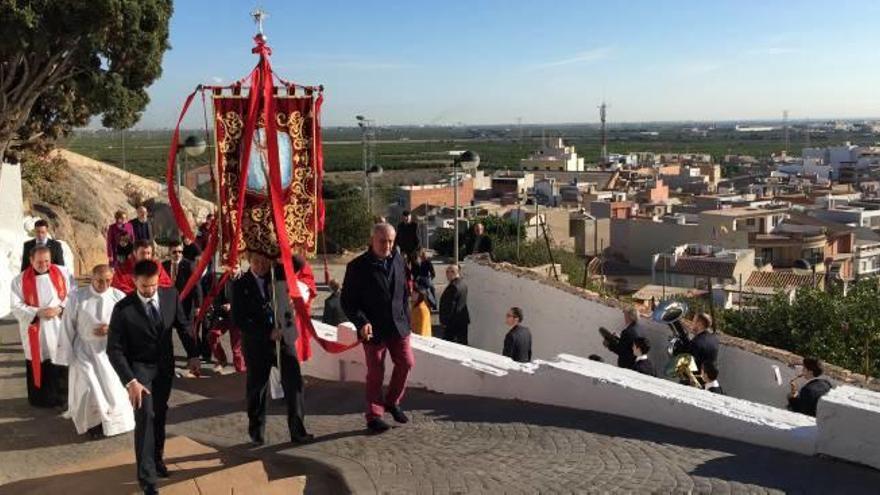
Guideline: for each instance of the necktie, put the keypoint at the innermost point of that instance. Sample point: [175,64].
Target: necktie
[153,311]
[174,271]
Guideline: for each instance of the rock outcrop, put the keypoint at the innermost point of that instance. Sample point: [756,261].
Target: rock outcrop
[96,191]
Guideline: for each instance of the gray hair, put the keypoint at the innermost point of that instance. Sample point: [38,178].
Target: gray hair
[383,228]
[631,312]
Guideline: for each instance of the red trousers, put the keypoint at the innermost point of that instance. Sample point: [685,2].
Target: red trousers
[402,357]
[234,340]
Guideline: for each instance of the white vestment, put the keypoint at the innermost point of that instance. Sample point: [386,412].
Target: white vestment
[50,328]
[95,395]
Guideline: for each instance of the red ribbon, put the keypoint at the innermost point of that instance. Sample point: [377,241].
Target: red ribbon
[31,298]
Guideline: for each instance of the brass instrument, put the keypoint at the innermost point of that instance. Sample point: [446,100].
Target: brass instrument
[681,365]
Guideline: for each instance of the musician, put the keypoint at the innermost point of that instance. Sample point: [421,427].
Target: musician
[253,312]
[642,364]
[703,346]
[623,345]
[709,376]
[806,400]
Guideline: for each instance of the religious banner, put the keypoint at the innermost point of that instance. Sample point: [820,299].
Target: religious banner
[298,170]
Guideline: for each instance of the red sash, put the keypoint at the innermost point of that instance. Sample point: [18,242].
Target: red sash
[29,290]
[124,280]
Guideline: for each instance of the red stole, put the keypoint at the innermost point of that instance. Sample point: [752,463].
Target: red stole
[124,280]
[29,290]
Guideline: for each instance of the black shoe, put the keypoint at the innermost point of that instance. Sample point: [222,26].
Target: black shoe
[162,470]
[96,433]
[257,440]
[397,414]
[302,439]
[377,426]
[150,490]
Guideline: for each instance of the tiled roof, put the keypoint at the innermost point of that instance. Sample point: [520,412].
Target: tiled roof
[701,266]
[779,279]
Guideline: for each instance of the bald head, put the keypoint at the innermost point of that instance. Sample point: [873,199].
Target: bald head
[102,278]
[382,240]
[453,272]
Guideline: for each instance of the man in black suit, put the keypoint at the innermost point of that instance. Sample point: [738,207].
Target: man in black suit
[710,378]
[254,314]
[703,346]
[333,313]
[480,242]
[376,300]
[408,234]
[41,238]
[640,348]
[518,341]
[454,314]
[806,400]
[141,225]
[623,346]
[180,269]
[140,349]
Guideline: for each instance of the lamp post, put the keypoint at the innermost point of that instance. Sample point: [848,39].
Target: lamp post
[467,160]
[193,146]
[373,171]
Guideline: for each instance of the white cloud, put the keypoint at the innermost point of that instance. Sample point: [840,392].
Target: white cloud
[216,79]
[594,55]
[697,68]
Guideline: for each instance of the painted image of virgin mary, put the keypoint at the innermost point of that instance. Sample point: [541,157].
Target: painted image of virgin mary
[258,166]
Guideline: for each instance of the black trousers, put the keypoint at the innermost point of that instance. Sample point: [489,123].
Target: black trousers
[53,385]
[149,429]
[259,358]
[456,333]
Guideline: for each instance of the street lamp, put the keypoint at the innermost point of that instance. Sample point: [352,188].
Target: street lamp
[467,160]
[192,146]
[374,171]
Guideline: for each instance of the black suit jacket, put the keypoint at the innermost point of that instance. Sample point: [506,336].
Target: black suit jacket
[704,348]
[54,247]
[518,344]
[645,367]
[333,313]
[453,305]
[142,230]
[808,398]
[369,295]
[716,390]
[133,338]
[184,271]
[253,313]
[623,347]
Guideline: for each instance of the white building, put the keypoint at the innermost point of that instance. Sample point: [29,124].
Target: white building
[845,156]
[554,156]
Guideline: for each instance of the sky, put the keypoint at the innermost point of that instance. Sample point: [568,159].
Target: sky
[411,62]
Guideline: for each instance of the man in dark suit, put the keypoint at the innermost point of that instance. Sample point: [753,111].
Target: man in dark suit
[703,346]
[140,349]
[623,346]
[480,242]
[710,378]
[806,400]
[642,364]
[408,234]
[180,269]
[333,313]
[253,312]
[141,225]
[518,341]
[41,238]
[376,300]
[454,314]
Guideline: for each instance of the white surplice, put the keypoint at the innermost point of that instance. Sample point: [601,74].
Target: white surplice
[50,328]
[95,394]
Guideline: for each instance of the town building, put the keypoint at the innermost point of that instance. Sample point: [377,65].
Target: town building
[554,156]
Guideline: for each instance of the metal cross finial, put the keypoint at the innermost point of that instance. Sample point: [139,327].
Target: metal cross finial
[259,16]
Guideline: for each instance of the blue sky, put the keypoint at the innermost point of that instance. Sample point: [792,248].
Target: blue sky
[493,61]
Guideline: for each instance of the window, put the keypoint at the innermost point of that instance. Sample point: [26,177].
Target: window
[767,255]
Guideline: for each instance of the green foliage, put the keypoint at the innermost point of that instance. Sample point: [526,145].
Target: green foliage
[347,219]
[68,60]
[841,329]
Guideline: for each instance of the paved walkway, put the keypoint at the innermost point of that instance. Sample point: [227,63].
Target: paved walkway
[454,444]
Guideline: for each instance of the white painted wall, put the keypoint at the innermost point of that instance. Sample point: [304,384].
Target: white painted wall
[575,382]
[11,233]
[562,322]
[850,425]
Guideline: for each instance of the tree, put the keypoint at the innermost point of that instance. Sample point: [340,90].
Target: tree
[347,220]
[64,61]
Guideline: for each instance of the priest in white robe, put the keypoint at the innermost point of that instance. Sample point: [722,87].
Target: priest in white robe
[39,296]
[98,402]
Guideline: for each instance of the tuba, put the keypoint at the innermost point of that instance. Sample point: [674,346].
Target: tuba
[681,364]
